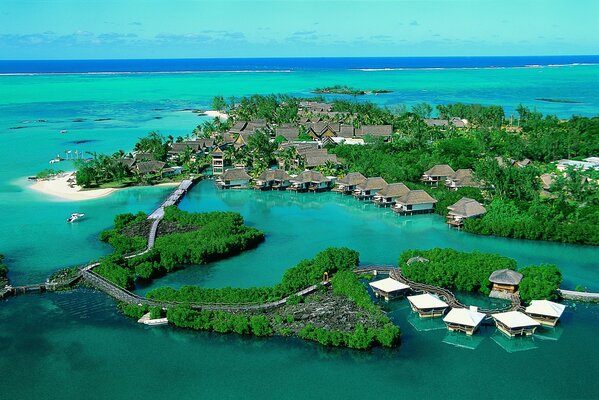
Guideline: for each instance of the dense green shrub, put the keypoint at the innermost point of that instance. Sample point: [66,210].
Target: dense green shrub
[453,269]
[133,310]
[306,273]
[540,282]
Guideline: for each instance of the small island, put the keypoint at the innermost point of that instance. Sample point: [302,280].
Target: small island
[341,89]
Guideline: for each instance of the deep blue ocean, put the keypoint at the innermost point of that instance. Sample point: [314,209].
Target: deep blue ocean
[278,64]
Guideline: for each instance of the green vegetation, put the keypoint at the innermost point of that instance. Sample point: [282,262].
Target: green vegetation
[452,269]
[540,282]
[470,272]
[341,89]
[48,173]
[3,272]
[344,284]
[304,274]
[115,170]
[197,238]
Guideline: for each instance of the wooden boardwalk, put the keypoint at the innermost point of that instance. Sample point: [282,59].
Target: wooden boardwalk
[578,296]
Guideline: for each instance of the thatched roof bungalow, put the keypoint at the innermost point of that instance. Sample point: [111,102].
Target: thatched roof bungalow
[386,196]
[463,209]
[348,183]
[414,202]
[234,178]
[367,189]
[505,280]
[438,173]
[273,179]
[461,178]
[309,181]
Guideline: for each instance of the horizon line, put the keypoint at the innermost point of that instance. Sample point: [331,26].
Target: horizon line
[298,57]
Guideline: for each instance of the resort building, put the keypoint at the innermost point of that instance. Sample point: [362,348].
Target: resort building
[315,107]
[367,189]
[547,180]
[218,161]
[348,183]
[438,173]
[463,209]
[146,168]
[317,157]
[414,202]
[386,196]
[234,178]
[198,147]
[382,131]
[505,280]
[464,320]
[515,323]
[288,131]
[312,181]
[545,312]
[276,179]
[456,122]
[427,305]
[461,178]
[562,165]
[388,288]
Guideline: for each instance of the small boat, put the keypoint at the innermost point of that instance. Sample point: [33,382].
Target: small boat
[74,217]
[63,131]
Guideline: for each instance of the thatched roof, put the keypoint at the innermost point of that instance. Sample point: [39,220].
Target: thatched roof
[547,180]
[440,170]
[289,133]
[346,131]
[235,174]
[376,130]
[464,177]
[310,177]
[314,160]
[149,167]
[393,190]
[352,179]
[128,162]
[466,208]
[506,277]
[416,197]
[217,151]
[274,175]
[375,183]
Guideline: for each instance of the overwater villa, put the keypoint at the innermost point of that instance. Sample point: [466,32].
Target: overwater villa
[505,280]
[463,209]
[545,312]
[461,178]
[438,173]
[414,202]
[234,178]
[386,196]
[427,305]
[465,320]
[515,323]
[367,189]
[312,181]
[388,288]
[348,183]
[276,179]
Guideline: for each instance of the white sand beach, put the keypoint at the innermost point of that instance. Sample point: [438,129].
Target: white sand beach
[60,187]
[213,113]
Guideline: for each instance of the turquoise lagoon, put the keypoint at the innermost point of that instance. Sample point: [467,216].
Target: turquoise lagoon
[77,344]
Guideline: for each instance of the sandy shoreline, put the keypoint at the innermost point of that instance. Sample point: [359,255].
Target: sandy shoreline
[212,113]
[60,187]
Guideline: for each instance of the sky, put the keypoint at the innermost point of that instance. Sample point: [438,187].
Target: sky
[92,29]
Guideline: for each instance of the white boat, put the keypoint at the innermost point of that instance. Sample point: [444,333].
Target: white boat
[74,217]
[63,131]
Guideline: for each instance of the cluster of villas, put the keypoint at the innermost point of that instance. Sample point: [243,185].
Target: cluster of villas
[396,196]
[468,320]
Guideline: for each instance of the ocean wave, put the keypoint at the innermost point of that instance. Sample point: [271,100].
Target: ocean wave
[244,71]
[471,68]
